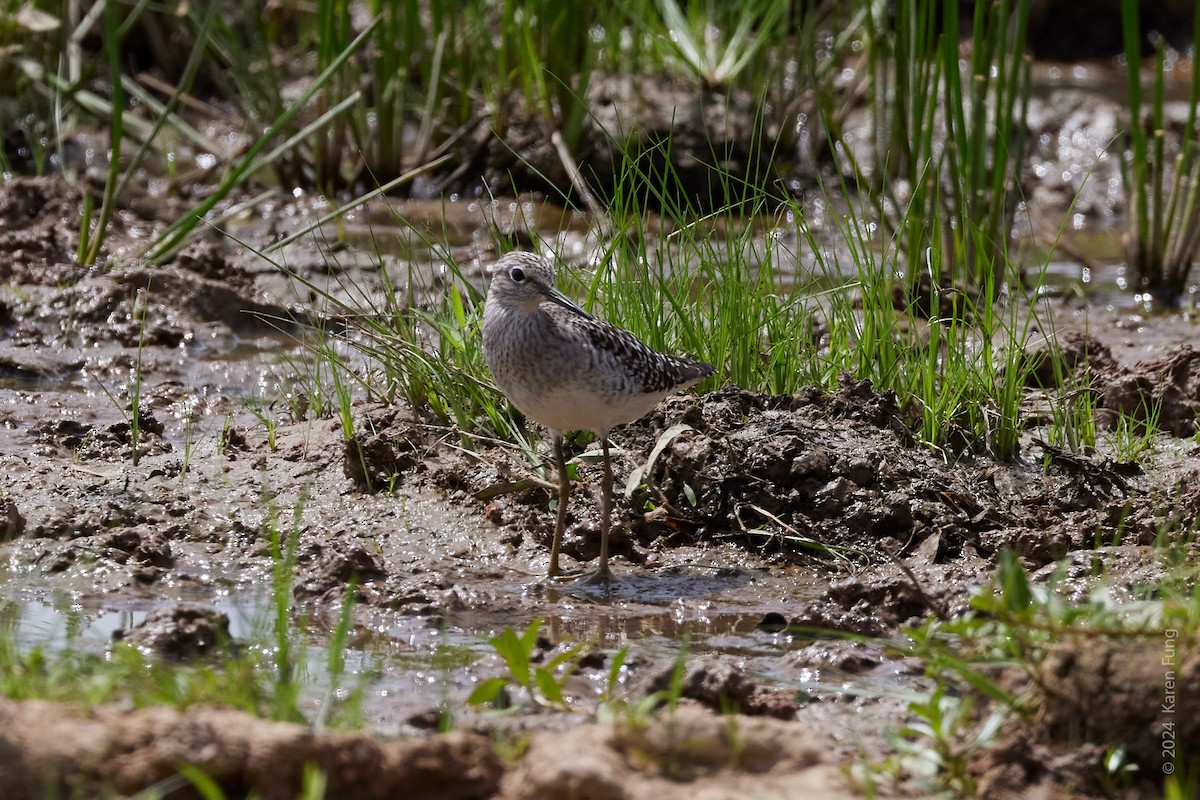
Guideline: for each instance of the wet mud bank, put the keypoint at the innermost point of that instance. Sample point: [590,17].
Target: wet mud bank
[753,522]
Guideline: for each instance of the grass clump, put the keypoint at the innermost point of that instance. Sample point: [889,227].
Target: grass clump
[388,346]
[775,301]
[1164,191]
[698,37]
[948,141]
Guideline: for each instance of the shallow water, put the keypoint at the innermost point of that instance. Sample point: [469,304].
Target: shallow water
[410,667]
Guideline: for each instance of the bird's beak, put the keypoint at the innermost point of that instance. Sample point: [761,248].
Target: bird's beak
[557,297]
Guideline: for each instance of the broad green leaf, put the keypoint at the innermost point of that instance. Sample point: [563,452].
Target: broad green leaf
[529,637]
[548,686]
[487,691]
[614,672]
[515,655]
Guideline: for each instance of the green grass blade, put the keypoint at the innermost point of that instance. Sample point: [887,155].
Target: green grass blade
[175,234]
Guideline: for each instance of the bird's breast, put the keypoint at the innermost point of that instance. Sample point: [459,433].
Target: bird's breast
[557,371]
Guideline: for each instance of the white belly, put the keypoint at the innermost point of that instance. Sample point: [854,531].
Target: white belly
[574,408]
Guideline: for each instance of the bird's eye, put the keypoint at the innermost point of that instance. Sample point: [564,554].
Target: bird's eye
[517,274]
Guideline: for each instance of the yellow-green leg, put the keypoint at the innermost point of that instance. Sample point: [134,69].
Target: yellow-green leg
[564,492]
[606,488]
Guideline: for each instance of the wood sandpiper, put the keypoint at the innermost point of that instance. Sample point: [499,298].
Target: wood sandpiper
[568,370]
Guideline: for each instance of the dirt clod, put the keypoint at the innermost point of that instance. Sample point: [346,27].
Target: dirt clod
[180,632]
[1094,696]
[71,753]
[12,524]
[326,571]
[687,754]
[1164,392]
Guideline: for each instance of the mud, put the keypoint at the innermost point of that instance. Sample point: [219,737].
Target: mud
[69,752]
[761,520]
[183,631]
[1089,699]
[115,750]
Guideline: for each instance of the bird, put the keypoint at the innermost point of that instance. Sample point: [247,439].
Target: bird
[568,370]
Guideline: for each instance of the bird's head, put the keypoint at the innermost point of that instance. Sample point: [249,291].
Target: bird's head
[526,280]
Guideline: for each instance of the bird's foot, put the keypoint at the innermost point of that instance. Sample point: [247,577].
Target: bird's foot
[563,575]
[601,577]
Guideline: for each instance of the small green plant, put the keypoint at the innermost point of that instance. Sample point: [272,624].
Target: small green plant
[284,549]
[269,422]
[1177,787]
[614,708]
[542,683]
[1012,624]
[637,715]
[341,711]
[1133,435]
[225,435]
[1118,773]
[1072,404]
[139,302]
[189,445]
[674,690]
[945,731]
[1075,420]
[965,708]
[204,784]
[141,306]
[312,784]
[616,666]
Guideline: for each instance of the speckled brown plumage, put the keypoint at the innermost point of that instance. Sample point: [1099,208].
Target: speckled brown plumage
[568,370]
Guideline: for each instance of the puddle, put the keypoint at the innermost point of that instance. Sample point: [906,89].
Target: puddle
[408,668]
